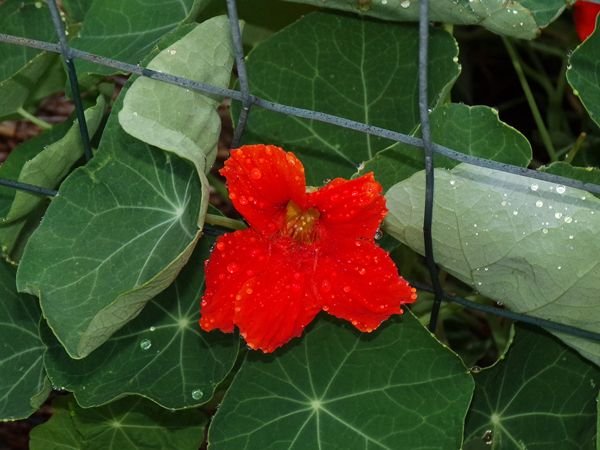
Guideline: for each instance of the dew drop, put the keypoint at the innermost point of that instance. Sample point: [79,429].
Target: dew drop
[145,344]
[172,51]
[255,174]
[378,235]
[197,394]
[452,182]
[558,215]
[568,219]
[405,4]
[503,202]
[515,212]
[152,328]
[38,5]
[346,289]
[362,271]
[561,189]
[534,187]
[232,267]
[325,286]
[545,230]
[571,236]
[325,308]
[559,267]
[475,369]
[488,437]
[539,203]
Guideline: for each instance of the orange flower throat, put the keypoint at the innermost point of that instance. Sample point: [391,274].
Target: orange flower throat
[300,224]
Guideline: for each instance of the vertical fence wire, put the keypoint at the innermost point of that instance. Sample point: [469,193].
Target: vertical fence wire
[428,156]
[238,48]
[72,74]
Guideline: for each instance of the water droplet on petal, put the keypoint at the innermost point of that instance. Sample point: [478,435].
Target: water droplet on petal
[255,174]
[232,267]
[145,344]
[347,289]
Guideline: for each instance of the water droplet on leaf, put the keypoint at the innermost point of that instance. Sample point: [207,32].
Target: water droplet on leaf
[145,344]
[197,394]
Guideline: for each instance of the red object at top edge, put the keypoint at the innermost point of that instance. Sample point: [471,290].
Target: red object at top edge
[584,14]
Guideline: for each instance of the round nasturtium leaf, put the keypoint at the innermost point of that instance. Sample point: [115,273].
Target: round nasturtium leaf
[355,68]
[339,389]
[541,396]
[23,383]
[162,354]
[530,244]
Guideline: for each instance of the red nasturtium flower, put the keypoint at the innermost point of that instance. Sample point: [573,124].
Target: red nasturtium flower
[584,14]
[305,250]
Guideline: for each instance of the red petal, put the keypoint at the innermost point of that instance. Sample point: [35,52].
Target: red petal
[233,261]
[276,305]
[585,14]
[360,283]
[262,179]
[349,208]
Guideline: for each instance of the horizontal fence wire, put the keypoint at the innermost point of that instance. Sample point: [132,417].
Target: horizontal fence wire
[248,101]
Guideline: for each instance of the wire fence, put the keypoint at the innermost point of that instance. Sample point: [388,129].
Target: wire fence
[248,101]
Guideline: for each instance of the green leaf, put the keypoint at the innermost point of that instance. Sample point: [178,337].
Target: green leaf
[472,130]
[541,396]
[22,69]
[161,355]
[519,18]
[129,424]
[585,174]
[529,244]
[76,9]
[176,119]
[118,233]
[24,385]
[358,69]
[583,73]
[339,389]
[50,166]
[128,31]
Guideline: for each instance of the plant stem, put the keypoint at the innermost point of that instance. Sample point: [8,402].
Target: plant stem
[576,147]
[33,119]
[218,186]
[225,222]
[535,112]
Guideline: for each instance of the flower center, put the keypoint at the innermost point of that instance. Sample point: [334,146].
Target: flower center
[300,224]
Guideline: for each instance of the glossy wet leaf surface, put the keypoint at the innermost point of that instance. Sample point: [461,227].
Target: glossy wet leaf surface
[362,70]
[132,223]
[162,354]
[174,118]
[472,130]
[529,244]
[336,388]
[543,395]
[518,18]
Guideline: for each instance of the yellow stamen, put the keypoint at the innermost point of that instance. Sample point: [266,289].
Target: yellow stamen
[300,224]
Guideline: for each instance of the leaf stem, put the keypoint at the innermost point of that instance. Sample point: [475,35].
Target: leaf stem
[535,112]
[33,119]
[225,222]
